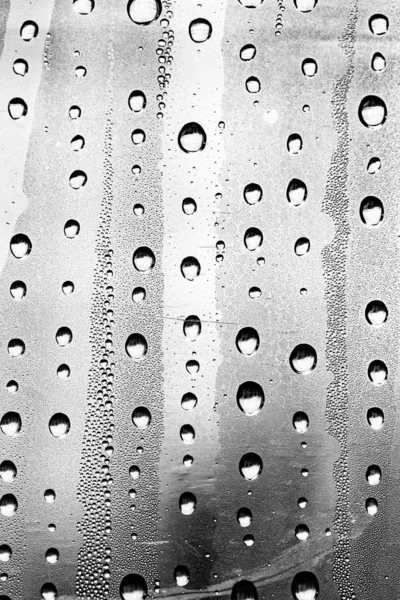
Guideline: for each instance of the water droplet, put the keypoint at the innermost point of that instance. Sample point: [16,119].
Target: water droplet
[253,239]
[50,496]
[192,138]
[20,245]
[71,228]
[305,586]
[136,346]
[52,555]
[255,292]
[244,517]
[187,434]
[144,12]
[20,67]
[378,24]
[300,422]
[8,505]
[376,313]
[248,540]
[5,553]
[189,401]
[294,143]
[187,503]
[77,180]
[190,268]
[189,206]
[136,170]
[29,31]
[80,72]
[371,211]
[373,475]
[68,287]
[309,67]
[138,295]
[16,347]
[181,575]
[378,62]
[302,532]
[18,290]
[250,466]
[143,259]
[75,112]
[305,6]
[375,418]
[77,143]
[137,101]
[296,192]
[192,366]
[63,372]
[134,472]
[12,387]
[374,165]
[8,471]
[49,591]
[17,108]
[64,336]
[302,246]
[371,505]
[250,398]
[247,341]
[253,85]
[372,112]
[377,372]
[303,359]
[141,417]
[244,590]
[138,136]
[248,52]
[252,193]
[251,3]
[192,327]
[138,210]
[187,460]
[59,425]
[200,30]
[83,7]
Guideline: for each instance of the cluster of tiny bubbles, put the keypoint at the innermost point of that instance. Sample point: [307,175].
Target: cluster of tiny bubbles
[220,246]
[279,18]
[95,478]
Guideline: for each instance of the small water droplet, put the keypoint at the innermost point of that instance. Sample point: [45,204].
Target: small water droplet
[59,425]
[187,503]
[247,341]
[303,359]
[373,475]
[309,67]
[377,372]
[371,211]
[181,575]
[305,586]
[136,346]
[250,466]
[296,192]
[374,165]
[143,259]
[253,239]
[300,422]
[378,24]
[144,12]
[20,245]
[372,112]
[192,138]
[18,290]
[190,268]
[141,417]
[371,505]
[20,67]
[8,471]
[302,246]
[375,418]
[200,30]
[252,193]
[378,62]
[29,31]
[250,398]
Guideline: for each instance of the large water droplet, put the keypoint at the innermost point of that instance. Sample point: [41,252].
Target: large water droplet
[181,574]
[16,348]
[253,238]
[59,425]
[138,295]
[17,108]
[192,138]
[8,471]
[376,313]
[189,401]
[75,112]
[134,472]
[11,424]
[71,228]
[252,193]
[18,290]
[68,288]
[187,503]
[64,336]
[305,586]
[255,292]
[371,211]
[377,372]
[378,24]
[136,346]
[378,62]
[302,532]
[248,52]
[187,434]
[190,268]
[138,137]
[192,327]
[20,67]
[77,180]
[253,85]
[8,505]
[244,517]
[305,6]
[12,387]
[250,398]
[189,206]
[63,372]
[309,67]
[143,259]
[49,591]
[373,475]
[29,31]
[300,422]
[375,418]
[250,466]
[20,245]
[296,192]
[372,112]
[144,12]
[200,30]
[83,7]
[294,143]
[5,553]
[49,496]
[302,246]
[52,555]
[247,341]
[371,505]
[141,417]
[244,590]
[303,359]
[137,101]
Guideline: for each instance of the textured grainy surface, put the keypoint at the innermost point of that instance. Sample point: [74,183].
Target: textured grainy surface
[167,398]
